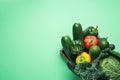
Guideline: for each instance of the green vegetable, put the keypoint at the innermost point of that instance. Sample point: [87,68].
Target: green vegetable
[77,31]
[94,51]
[67,46]
[90,71]
[87,72]
[111,67]
[112,46]
[78,47]
[90,31]
[105,64]
[115,53]
[103,43]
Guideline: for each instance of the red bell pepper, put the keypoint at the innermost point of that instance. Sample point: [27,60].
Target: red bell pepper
[90,41]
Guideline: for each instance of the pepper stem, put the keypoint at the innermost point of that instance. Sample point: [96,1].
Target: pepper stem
[90,40]
[106,38]
[96,27]
[82,59]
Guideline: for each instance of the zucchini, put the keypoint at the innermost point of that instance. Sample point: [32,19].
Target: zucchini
[77,31]
[67,47]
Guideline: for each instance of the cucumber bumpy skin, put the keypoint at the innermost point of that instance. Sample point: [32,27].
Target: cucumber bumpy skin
[67,46]
[77,31]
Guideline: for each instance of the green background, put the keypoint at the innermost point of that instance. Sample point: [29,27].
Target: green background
[31,30]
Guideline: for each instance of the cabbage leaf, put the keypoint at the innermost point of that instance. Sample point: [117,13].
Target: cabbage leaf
[111,67]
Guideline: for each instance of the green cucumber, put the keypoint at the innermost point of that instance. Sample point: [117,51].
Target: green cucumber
[77,31]
[67,47]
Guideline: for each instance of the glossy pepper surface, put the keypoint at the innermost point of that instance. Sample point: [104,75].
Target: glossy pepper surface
[83,57]
[90,41]
[90,31]
[78,47]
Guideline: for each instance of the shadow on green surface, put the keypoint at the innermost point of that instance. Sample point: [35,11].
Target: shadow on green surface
[73,77]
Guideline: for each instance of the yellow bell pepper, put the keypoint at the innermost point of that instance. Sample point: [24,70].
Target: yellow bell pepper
[83,57]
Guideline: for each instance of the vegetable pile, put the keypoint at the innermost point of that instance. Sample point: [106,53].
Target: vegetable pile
[89,56]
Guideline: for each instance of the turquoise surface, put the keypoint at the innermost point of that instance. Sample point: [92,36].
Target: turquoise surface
[31,30]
